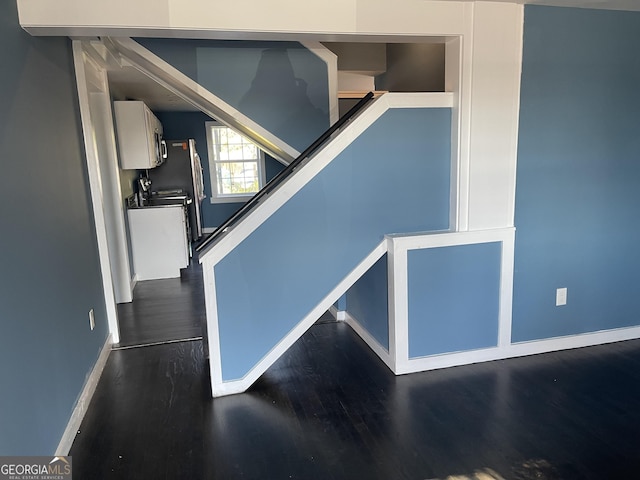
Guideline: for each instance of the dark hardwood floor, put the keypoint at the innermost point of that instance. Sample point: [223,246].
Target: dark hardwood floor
[164,310]
[329,409]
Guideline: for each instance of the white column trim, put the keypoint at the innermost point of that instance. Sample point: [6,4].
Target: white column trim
[213,329]
[400,244]
[96,191]
[506,287]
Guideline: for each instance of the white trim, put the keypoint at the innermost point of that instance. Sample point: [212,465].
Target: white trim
[515,127]
[321,159]
[93,170]
[519,350]
[103,126]
[493,110]
[331,59]
[134,282]
[213,329]
[239,199]
[506,287]
[450,239]
[219,387]
[207,230]
[373,344]
[393,275]
[190,91]
[572,341]
[464,113]
[81,406]
[338,315]
[398,305]
[453,80]
[400,244]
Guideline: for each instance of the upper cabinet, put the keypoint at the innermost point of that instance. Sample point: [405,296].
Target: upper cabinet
[139,136]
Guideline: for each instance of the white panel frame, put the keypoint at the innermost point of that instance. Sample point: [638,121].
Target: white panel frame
[97,197]
[399,314]
[397,359]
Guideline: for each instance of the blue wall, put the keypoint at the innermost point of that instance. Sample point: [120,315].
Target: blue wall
[454,298]
[367,302]
[282,86]
[49,270]
[181,125]
[578,173]
[393,178]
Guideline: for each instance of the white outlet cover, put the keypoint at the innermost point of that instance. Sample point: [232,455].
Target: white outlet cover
[561,297]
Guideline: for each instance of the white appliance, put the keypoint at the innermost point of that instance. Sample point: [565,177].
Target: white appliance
[159,241]
[139,136]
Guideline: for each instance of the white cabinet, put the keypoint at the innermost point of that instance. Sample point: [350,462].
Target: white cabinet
[139,136]
[158,241]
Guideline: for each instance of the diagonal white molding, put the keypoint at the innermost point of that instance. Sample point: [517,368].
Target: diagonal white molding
[187,89]
[318,161]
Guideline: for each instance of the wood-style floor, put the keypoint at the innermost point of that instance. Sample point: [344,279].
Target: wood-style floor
[330,409]
[164,310]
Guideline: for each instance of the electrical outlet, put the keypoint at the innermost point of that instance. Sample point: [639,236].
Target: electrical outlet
[92,319]
[561,297]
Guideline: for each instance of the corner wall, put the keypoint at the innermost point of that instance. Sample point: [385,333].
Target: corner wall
[50,274]
[578,173]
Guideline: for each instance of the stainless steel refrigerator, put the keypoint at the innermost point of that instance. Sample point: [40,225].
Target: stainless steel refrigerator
[182,172]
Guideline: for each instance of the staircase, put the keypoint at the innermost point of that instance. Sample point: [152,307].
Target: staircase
[272,269]
[269,276]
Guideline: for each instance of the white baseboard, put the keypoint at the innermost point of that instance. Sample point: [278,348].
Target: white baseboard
[339,315]
[373,344]
[84,399]
[455,359]
[514,350]
[134,282]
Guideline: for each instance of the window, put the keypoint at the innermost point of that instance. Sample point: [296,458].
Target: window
[236,165]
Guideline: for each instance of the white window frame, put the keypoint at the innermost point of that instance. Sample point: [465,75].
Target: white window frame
[217,197]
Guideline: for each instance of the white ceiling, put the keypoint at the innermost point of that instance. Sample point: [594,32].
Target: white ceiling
[127,83]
